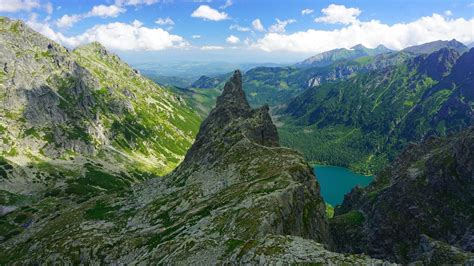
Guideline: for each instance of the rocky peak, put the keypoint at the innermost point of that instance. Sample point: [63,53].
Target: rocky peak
[94,47]
[358,47]
[233,96]
[231,121]
[437,64]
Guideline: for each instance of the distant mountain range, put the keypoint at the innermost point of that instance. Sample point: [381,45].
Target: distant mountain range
[332,56]
[428,48]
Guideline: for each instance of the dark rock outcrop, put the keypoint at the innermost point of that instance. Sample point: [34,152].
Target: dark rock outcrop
[428,190]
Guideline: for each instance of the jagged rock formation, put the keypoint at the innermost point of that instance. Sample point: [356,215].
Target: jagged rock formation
[421,208]
[237,198]
[65,112]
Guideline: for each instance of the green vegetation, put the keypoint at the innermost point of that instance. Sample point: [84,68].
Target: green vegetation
[329,210]
[365,121]
[100,211]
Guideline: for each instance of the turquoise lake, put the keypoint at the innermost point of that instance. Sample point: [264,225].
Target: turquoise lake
[336,181]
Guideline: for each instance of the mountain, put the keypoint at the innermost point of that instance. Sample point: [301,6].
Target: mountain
[238,197]
[332,56]
[278,85]
[363,122]
[428,48]
[420,208]
[82,121]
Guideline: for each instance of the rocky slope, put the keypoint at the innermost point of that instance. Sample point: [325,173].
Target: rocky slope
[363,122]
[237,198]
[421,208]
[67,116]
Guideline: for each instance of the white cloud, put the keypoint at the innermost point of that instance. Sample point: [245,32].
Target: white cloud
[232,39]
[306,11]
[102,11]
[239,28]
[117,36]
[448,13]
[339,14]
[197,36]
[49,8]
[164,21]
[18,5]
[211,47]
[226,4]
[135,2]
[105,11]
[280,25]
[207,13]
[371,34]
[67,21]
[257,25]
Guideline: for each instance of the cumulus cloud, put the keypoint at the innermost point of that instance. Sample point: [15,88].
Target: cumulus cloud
[257,25]
[371,34]
[197,36]
[67,21]
[306,11]
[164,21]
[105,11]
[102,11]
[280,26]
[117,36]
[232,39]
[339,14]
[226,4]
[448,13]
[18,5]
[239,28]
[207,13]
[211,47]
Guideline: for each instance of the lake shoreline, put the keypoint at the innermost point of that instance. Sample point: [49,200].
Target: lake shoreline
[336,181]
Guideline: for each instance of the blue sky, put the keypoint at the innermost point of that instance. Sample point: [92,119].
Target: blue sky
[243,30]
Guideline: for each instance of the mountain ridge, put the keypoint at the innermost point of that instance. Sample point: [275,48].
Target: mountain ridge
[332,56]
[68,114]
[430,47]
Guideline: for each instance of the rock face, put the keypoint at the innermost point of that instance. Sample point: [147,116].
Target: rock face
[237,198]
[421,208]
[63,109]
